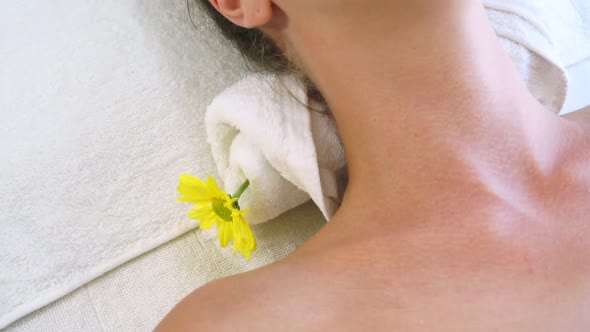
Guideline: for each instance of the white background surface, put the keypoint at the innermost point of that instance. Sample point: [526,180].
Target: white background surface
[579,86]
[101,106]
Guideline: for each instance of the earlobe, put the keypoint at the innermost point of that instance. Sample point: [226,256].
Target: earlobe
[245,13]
[257,12]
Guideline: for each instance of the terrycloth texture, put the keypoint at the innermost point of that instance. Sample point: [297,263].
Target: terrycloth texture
[543,37]
[101,108]
[136,296]
[259,129]
[564,23]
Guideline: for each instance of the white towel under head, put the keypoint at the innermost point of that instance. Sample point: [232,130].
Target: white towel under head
[261,129]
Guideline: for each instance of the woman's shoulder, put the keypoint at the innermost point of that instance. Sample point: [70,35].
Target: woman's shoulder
[261,300]
[447,288]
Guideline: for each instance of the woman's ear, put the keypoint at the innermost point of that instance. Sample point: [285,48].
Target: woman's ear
[245,13]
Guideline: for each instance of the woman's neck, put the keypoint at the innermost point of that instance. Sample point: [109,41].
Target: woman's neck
[427,97]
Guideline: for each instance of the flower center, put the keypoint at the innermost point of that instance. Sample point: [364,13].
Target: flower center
[220,210]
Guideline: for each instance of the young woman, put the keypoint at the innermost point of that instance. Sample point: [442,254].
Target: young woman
[468,205]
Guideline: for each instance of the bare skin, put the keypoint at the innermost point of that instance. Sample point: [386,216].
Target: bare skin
[468,207]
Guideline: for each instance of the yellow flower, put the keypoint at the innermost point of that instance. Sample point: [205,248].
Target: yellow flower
[244,240]
[213,206]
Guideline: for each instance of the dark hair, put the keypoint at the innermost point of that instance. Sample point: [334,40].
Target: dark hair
[260,50]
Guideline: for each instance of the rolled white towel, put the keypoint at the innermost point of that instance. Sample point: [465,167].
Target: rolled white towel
[261,129]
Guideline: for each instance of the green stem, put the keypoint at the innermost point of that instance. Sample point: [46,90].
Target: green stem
[241,190]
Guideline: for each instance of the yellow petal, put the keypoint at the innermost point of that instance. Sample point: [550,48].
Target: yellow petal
[224,232]
[193,190]
[205,214]
[215,190]
[244,240]
[201,212]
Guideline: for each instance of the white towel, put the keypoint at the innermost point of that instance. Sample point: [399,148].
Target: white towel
[261,129]
[543,37]
[564,24]
[101,109]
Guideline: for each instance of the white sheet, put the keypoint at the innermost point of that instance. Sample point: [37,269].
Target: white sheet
[99,114]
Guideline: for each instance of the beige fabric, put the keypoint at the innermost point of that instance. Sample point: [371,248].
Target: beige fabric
[137,295]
